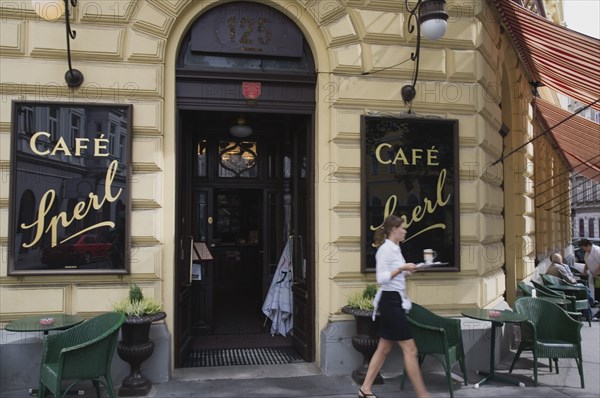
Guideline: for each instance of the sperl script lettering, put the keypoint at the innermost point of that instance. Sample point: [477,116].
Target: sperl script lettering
[79,212]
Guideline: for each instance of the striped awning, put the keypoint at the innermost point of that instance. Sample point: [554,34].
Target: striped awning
[560,58]
[578,138]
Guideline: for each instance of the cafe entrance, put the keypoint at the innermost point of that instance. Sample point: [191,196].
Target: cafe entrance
[244,199]
[245,88]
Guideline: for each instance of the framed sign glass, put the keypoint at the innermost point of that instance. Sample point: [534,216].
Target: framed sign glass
[69,191]
[410,169]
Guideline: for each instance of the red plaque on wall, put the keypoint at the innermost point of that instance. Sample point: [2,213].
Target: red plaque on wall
[251,90]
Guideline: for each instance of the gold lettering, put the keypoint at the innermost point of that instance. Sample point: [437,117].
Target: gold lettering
[432,157]
[45,206]
[390,207]
[419,211]
[61,145]
[440,188]
[80,143]
[400,156]
[416,154]
[110,175]
[80,211]
[415,214]
[100,143]
[33,143]
[378,153]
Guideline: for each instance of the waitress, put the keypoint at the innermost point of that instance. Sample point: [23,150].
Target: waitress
[392,302]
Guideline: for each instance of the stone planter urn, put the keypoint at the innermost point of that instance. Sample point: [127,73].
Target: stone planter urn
[364,341]
[134,348]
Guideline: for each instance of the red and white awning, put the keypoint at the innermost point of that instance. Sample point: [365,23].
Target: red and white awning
[578,138]
[560,58]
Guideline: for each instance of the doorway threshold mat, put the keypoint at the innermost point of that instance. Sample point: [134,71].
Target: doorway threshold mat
[242,356]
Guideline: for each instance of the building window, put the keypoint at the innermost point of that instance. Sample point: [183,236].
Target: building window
[27,120]
[579,185]
[592,227]
[75,129]
[112,134]
[589,191]
[53,123]
[581,229]
[202,165]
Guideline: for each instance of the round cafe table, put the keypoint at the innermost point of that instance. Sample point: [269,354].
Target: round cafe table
[497,321]
[32,323]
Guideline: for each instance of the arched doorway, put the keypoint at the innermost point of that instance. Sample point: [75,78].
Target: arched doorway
[243,196]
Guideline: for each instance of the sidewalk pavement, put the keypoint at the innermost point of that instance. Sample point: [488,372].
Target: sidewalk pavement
[305,380]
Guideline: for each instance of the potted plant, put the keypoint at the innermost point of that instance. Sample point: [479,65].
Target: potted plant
[360,305]
[135,345]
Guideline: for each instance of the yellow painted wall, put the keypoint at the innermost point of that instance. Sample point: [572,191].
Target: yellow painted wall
[127,51]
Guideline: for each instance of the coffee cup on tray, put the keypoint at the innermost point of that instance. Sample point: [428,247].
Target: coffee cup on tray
[429,255]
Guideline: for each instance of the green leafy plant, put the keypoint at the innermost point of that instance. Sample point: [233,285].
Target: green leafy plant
[136,304]
[363,300]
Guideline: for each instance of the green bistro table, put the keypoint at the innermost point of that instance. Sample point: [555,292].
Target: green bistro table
[32,323]
[497,321]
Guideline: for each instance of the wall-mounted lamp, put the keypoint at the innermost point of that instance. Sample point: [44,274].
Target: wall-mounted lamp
[241,129]
[431,21]
[51,10]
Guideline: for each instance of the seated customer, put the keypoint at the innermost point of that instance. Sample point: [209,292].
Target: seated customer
[562,271]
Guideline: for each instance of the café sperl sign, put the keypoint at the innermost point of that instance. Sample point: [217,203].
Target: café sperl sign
[409,169]
[69,188]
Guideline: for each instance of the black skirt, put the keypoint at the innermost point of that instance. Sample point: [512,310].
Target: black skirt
[393,324]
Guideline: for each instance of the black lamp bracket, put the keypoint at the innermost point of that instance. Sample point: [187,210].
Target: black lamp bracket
[423,10]
[73,77]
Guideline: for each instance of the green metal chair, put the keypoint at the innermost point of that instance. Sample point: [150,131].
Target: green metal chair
[526,339]
[439,337]
[579,292]
[550,332]
[83,352]
[558,299]
[572,307]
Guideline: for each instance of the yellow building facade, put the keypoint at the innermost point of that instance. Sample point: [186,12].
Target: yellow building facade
[128,52]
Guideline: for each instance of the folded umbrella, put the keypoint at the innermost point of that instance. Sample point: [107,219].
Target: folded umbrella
[278,305]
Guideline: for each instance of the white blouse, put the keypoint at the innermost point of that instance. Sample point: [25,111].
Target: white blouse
[388,259]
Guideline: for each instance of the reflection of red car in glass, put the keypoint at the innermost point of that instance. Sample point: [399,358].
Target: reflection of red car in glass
[85,249]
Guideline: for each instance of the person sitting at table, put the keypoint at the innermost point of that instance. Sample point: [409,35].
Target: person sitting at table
[562,271]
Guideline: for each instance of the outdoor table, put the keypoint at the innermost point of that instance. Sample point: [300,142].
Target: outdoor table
[32,324]
[497,321]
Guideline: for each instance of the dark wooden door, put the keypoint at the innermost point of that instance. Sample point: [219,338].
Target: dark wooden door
[183,256]
[203,281]
[302,232]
